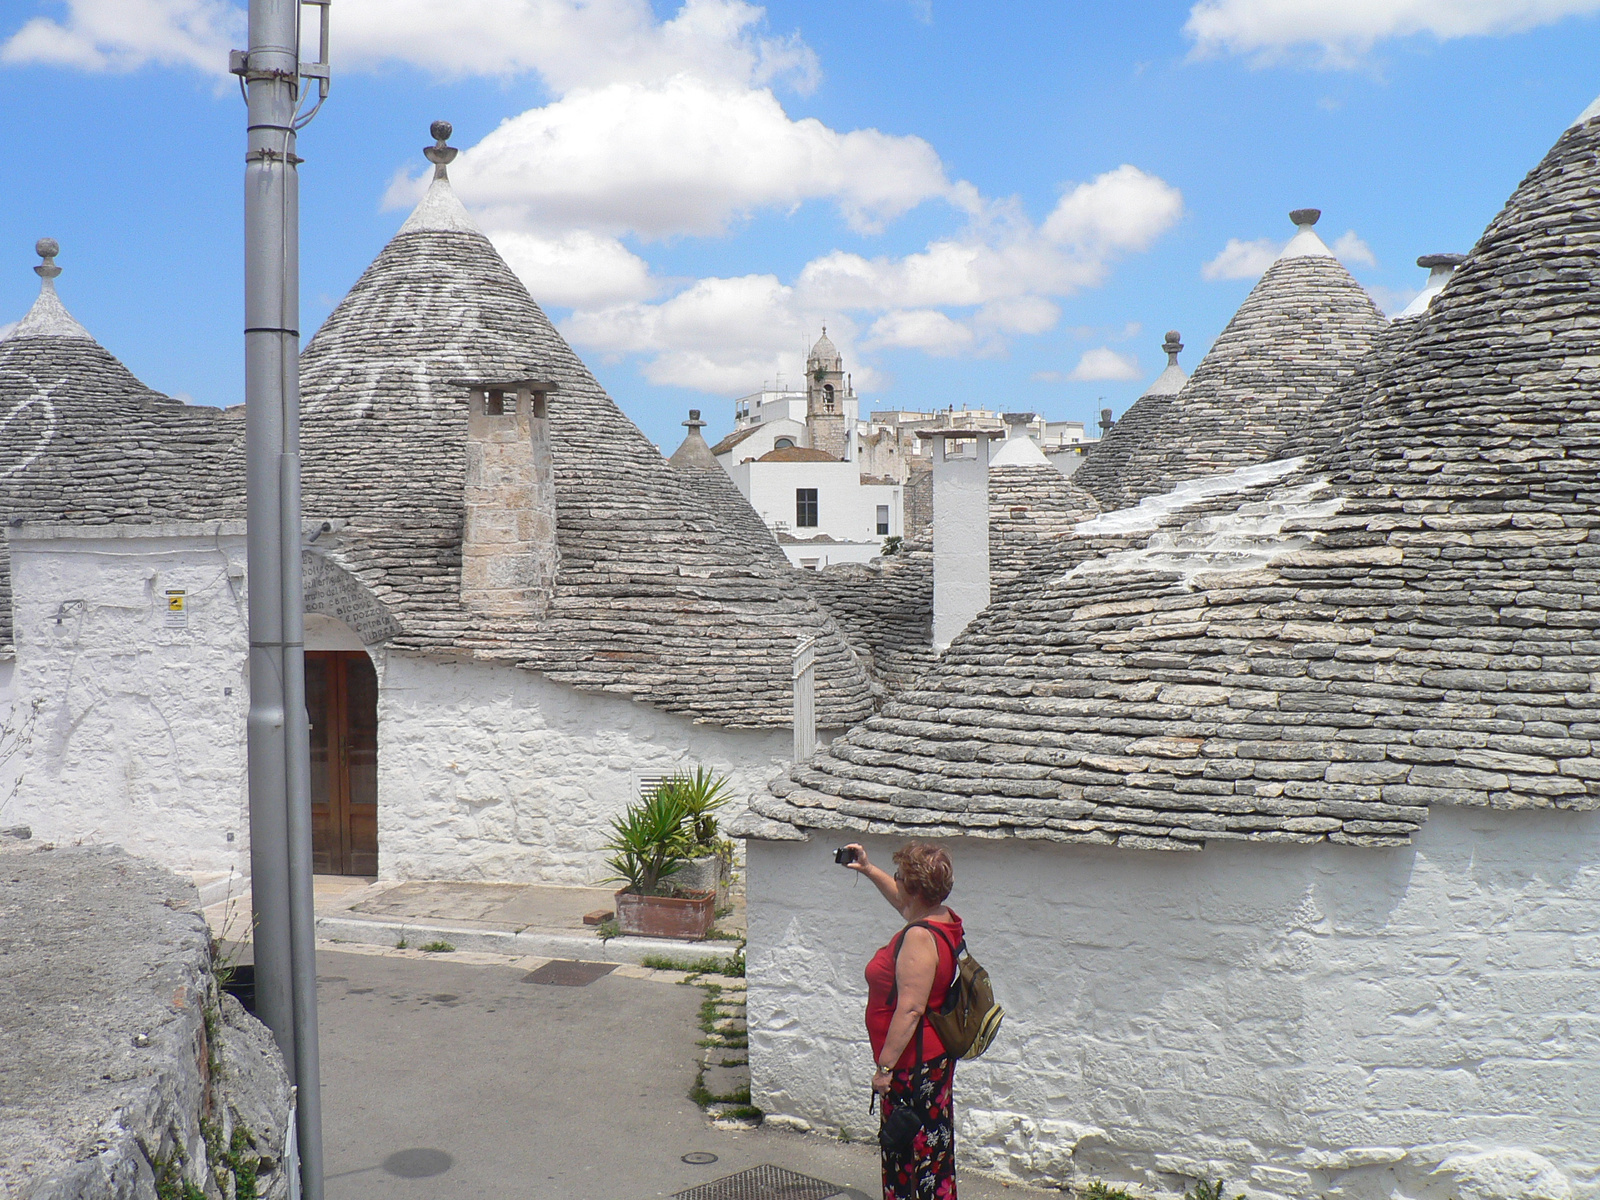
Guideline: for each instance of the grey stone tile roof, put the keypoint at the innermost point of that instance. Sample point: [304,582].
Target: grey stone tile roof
[654,599]
[1289,347]
[1029,508]
[1410,619]
[83,441]
[886,609]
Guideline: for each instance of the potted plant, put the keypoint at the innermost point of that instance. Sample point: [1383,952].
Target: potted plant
[710,857]
[650,845]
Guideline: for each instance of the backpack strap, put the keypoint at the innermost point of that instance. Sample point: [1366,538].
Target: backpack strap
[894,988]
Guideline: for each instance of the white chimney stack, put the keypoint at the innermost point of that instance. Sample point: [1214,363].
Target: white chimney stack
[960,528]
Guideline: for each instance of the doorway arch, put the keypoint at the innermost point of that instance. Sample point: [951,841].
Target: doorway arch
[342,705]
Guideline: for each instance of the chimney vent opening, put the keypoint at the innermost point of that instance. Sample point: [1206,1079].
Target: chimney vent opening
[495,404]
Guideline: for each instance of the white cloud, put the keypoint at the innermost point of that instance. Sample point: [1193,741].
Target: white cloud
[1344,30]
[682,157]
[1105,363]
[576,268]
[921,329]
[664,128]
[570,43]
[1349,248]
[1002,269]
[123,35]
[1242,260]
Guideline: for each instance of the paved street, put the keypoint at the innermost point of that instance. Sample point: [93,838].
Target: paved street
[449,1081]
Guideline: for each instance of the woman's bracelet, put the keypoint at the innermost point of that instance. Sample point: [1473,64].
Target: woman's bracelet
[883,1070]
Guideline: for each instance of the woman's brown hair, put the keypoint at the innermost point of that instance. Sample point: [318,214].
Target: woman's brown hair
[925,871]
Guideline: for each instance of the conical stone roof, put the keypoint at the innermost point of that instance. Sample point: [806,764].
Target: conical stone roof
[725,501]
[1408,620]
[1032,505]
[1128,439]
[1289,347]
[653,598]
[84,441]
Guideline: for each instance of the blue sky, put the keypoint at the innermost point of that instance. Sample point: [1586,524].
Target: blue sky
[974,196]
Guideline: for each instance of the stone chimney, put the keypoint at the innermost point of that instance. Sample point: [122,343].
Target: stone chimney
[960,528]
[508,542]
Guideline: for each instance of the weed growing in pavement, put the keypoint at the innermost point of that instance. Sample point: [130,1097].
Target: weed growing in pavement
[437,946]
[1207,1191]
[732,966]
[608,929]
[1099,1190]
[402,944]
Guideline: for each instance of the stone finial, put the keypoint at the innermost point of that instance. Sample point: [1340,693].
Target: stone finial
[47,249]
[1105,421]
[440,154]
[1173,346]
[694,421]
[1018,420]
[1306,217]
[1432,261]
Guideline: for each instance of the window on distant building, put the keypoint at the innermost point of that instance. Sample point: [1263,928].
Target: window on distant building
[883,519]
[783,444]
[805,508]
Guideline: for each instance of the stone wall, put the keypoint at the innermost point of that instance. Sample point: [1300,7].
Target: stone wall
[493,772]
[1413,1023]
[123,1063]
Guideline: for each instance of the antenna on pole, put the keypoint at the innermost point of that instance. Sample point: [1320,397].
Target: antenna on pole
[278,731]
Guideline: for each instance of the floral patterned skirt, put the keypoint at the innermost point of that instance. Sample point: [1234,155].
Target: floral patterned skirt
[928,1171]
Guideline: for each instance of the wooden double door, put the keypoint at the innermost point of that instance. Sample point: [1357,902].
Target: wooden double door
[342,700]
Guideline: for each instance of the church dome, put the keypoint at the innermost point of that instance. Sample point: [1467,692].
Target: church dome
[824,354]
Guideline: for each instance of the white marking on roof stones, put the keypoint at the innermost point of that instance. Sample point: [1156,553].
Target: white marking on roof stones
[1250,537]
[1150,512]
[45,437]
[1588,114]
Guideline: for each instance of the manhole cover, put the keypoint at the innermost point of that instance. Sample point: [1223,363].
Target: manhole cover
[765,1182]
[566,972]
[699,1158]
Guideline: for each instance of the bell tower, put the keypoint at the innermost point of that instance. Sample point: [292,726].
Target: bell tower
[827,389]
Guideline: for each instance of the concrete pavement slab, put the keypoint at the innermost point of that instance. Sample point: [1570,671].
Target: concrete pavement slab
[447,1081]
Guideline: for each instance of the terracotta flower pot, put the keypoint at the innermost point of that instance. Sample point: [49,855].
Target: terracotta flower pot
[684,918]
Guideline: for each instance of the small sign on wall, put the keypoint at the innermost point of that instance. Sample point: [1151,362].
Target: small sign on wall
[177,609]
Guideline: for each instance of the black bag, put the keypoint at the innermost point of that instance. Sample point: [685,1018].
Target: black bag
[899,1129]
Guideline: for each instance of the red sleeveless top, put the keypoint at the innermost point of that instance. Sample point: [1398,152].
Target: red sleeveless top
[947,936]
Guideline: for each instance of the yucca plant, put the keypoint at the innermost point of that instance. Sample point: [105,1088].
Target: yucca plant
[700,794]
[650,842]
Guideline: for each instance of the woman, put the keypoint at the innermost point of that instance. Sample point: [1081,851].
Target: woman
[905,979]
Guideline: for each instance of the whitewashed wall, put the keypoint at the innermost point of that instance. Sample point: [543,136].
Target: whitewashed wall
[484,771]
[139,734]
[1403,1024]
[490,772]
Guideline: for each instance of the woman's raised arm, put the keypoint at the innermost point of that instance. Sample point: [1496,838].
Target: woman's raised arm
[881,879]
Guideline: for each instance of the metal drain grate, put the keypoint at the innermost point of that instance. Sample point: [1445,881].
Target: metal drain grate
[567,972]
[765,1182]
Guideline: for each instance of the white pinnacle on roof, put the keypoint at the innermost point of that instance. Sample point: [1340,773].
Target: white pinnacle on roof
[1018,450]
[1588,114]
[1305,243]
[48,317]
[1441,267]
[440,208]
[1170,382]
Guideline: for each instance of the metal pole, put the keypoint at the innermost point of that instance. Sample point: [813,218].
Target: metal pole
[279,772]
